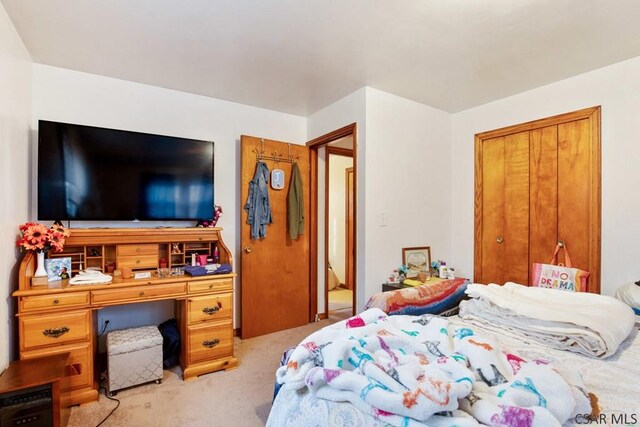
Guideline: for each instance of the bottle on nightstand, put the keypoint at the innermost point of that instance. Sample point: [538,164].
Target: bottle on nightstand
[442,273]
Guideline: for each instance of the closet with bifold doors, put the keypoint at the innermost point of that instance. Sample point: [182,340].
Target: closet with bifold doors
[537,184]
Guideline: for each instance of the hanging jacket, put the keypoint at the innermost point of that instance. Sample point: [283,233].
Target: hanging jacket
[258,207]
[295,204]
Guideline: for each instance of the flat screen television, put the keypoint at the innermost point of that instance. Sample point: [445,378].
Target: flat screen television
[98,174]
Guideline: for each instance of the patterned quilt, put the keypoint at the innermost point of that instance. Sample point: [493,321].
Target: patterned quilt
[433,298]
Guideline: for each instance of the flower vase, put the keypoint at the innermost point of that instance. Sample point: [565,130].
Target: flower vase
[40,270]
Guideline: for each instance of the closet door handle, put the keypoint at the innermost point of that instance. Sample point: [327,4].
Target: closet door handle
[500,239]
[247,249]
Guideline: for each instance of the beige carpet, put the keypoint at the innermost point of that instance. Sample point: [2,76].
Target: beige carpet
[241,397]
[340,299]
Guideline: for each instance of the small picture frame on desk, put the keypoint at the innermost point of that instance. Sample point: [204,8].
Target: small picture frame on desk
[417,260]
[58,268]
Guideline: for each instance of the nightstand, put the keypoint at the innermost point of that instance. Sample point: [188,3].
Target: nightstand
[393,286]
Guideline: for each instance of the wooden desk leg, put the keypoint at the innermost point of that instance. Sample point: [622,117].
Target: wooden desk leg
[55,397]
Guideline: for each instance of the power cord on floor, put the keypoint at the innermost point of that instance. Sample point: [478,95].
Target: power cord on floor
[110,398]
[104,327]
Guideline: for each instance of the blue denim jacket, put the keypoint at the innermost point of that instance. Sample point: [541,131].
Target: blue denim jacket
[258,207]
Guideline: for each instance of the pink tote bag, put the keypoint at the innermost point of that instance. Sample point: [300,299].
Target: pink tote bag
[559,276]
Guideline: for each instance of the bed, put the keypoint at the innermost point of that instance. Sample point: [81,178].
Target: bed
[612,382]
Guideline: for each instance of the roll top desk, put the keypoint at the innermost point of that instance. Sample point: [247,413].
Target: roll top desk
[59,317]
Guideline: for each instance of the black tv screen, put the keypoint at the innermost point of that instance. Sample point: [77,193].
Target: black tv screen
[91,173]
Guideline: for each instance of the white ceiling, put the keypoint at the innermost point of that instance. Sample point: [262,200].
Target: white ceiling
[298,56]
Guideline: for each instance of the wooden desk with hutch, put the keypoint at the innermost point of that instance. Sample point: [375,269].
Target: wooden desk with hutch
[61,318]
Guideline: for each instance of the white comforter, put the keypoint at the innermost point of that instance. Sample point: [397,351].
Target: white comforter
[590,324]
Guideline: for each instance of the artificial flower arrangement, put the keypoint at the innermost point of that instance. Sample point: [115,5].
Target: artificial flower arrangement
[217,213]
[40,239]
[37,237]
[399,274]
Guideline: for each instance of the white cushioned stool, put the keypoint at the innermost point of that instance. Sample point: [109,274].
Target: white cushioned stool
[134,357]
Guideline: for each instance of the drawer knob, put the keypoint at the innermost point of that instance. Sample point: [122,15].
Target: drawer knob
[137,249]
[55,332]
[55,301]
[210,286]
[211,343]
[211,310]
[141,294]
[137,261]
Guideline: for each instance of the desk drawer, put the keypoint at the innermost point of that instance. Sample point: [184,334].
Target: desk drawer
[127,250]
[212,307]
[210,342]
[37,302]
[211,285]
[137,261]
[42,330]
[139,293]
[79,369]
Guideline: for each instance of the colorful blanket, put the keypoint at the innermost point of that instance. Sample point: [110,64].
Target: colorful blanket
[426,299]
[407,370]
[574,321]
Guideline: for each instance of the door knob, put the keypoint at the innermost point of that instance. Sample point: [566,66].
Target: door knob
[247,249]
[499,239]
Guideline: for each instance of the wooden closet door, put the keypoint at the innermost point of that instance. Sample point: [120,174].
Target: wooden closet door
[505,201]
[543,194]
[574,190]
[562,202]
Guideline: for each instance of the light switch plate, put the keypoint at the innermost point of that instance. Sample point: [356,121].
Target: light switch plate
[384,220]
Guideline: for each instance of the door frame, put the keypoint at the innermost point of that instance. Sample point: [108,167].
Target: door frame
[314,145]
[593,115]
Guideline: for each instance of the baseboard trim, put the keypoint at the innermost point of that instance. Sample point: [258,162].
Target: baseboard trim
[237,332]
[322,316]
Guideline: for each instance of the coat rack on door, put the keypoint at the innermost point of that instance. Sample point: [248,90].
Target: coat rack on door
[275,156]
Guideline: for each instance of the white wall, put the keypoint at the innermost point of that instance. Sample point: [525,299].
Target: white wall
[409,180]
[15,116]
[350,109]
[71,96]
[617,89]
[403,170]
[337,213]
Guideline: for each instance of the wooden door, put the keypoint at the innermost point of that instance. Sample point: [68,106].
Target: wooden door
[275,269]
[505,198]
[349,229]
[535,184]
[575,190]
[543,194]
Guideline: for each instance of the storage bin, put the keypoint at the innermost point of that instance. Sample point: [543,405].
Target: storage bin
[134,357]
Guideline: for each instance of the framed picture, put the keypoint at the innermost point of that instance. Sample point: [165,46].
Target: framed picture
[58,268]
[417,260]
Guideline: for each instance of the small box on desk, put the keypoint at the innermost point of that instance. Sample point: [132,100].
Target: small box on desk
[39,280]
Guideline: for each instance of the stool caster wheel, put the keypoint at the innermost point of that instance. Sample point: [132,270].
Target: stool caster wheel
[112,393]
[158,381]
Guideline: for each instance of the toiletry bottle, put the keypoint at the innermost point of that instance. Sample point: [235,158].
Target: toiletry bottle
[216,255]
[451,273]
[193,259]
[443,270]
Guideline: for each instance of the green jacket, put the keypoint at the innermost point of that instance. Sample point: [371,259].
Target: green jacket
[295,204]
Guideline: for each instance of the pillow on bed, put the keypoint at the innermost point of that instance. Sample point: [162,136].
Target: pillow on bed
[437,298]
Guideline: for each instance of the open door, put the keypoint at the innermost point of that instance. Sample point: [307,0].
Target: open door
[350,265]
[275,269]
